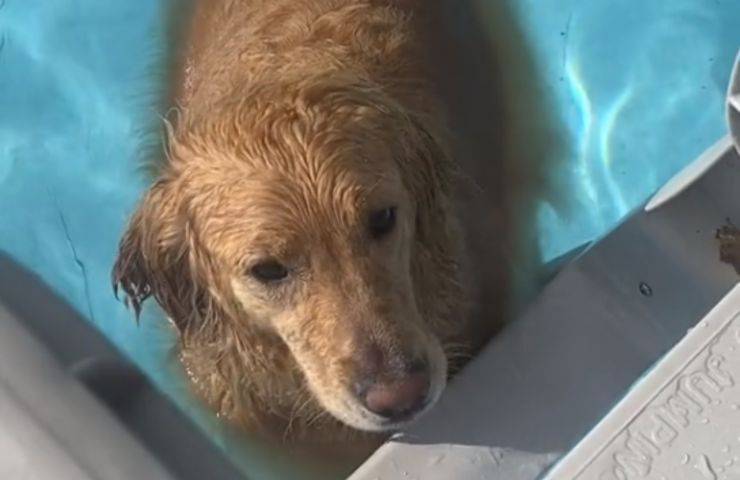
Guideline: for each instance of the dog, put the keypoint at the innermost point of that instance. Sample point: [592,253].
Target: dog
[301,232]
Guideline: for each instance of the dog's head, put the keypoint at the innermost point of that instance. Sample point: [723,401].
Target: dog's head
[318,215]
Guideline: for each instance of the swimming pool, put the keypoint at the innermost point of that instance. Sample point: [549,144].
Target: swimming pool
[614,96]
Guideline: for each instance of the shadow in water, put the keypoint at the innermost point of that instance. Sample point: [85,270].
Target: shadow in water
[506,142]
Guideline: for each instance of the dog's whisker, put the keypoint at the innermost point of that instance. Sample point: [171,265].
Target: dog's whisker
[319,415]
[296,411]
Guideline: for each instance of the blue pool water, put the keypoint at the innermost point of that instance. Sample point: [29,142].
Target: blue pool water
[635,87]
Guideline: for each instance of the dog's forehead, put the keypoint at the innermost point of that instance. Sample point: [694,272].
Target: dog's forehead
[276,210]
[340,185]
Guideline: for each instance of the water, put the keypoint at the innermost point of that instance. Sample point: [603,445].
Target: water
[638,88]
[635,89]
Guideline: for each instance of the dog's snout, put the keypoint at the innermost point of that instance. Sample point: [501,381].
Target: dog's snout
[398,398]
[371,361]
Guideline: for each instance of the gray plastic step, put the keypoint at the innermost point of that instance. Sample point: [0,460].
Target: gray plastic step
[72,407]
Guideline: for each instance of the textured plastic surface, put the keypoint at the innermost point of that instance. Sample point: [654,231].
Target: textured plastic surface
[682,421]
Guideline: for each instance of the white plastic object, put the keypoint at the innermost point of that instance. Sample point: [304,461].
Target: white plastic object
[733,103]
[682,421]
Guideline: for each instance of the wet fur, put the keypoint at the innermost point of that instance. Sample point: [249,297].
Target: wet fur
[285,86]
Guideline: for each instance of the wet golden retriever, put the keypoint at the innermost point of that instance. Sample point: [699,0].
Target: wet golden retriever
[300,234]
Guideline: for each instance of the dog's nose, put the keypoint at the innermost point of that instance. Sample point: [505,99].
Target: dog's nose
[398,399]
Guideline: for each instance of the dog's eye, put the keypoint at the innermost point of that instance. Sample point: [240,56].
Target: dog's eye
[382,222]
[269,271]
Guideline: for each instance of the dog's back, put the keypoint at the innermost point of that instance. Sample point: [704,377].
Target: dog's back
[235,44]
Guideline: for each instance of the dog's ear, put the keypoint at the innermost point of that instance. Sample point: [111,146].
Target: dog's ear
[429,172]
[154,256]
